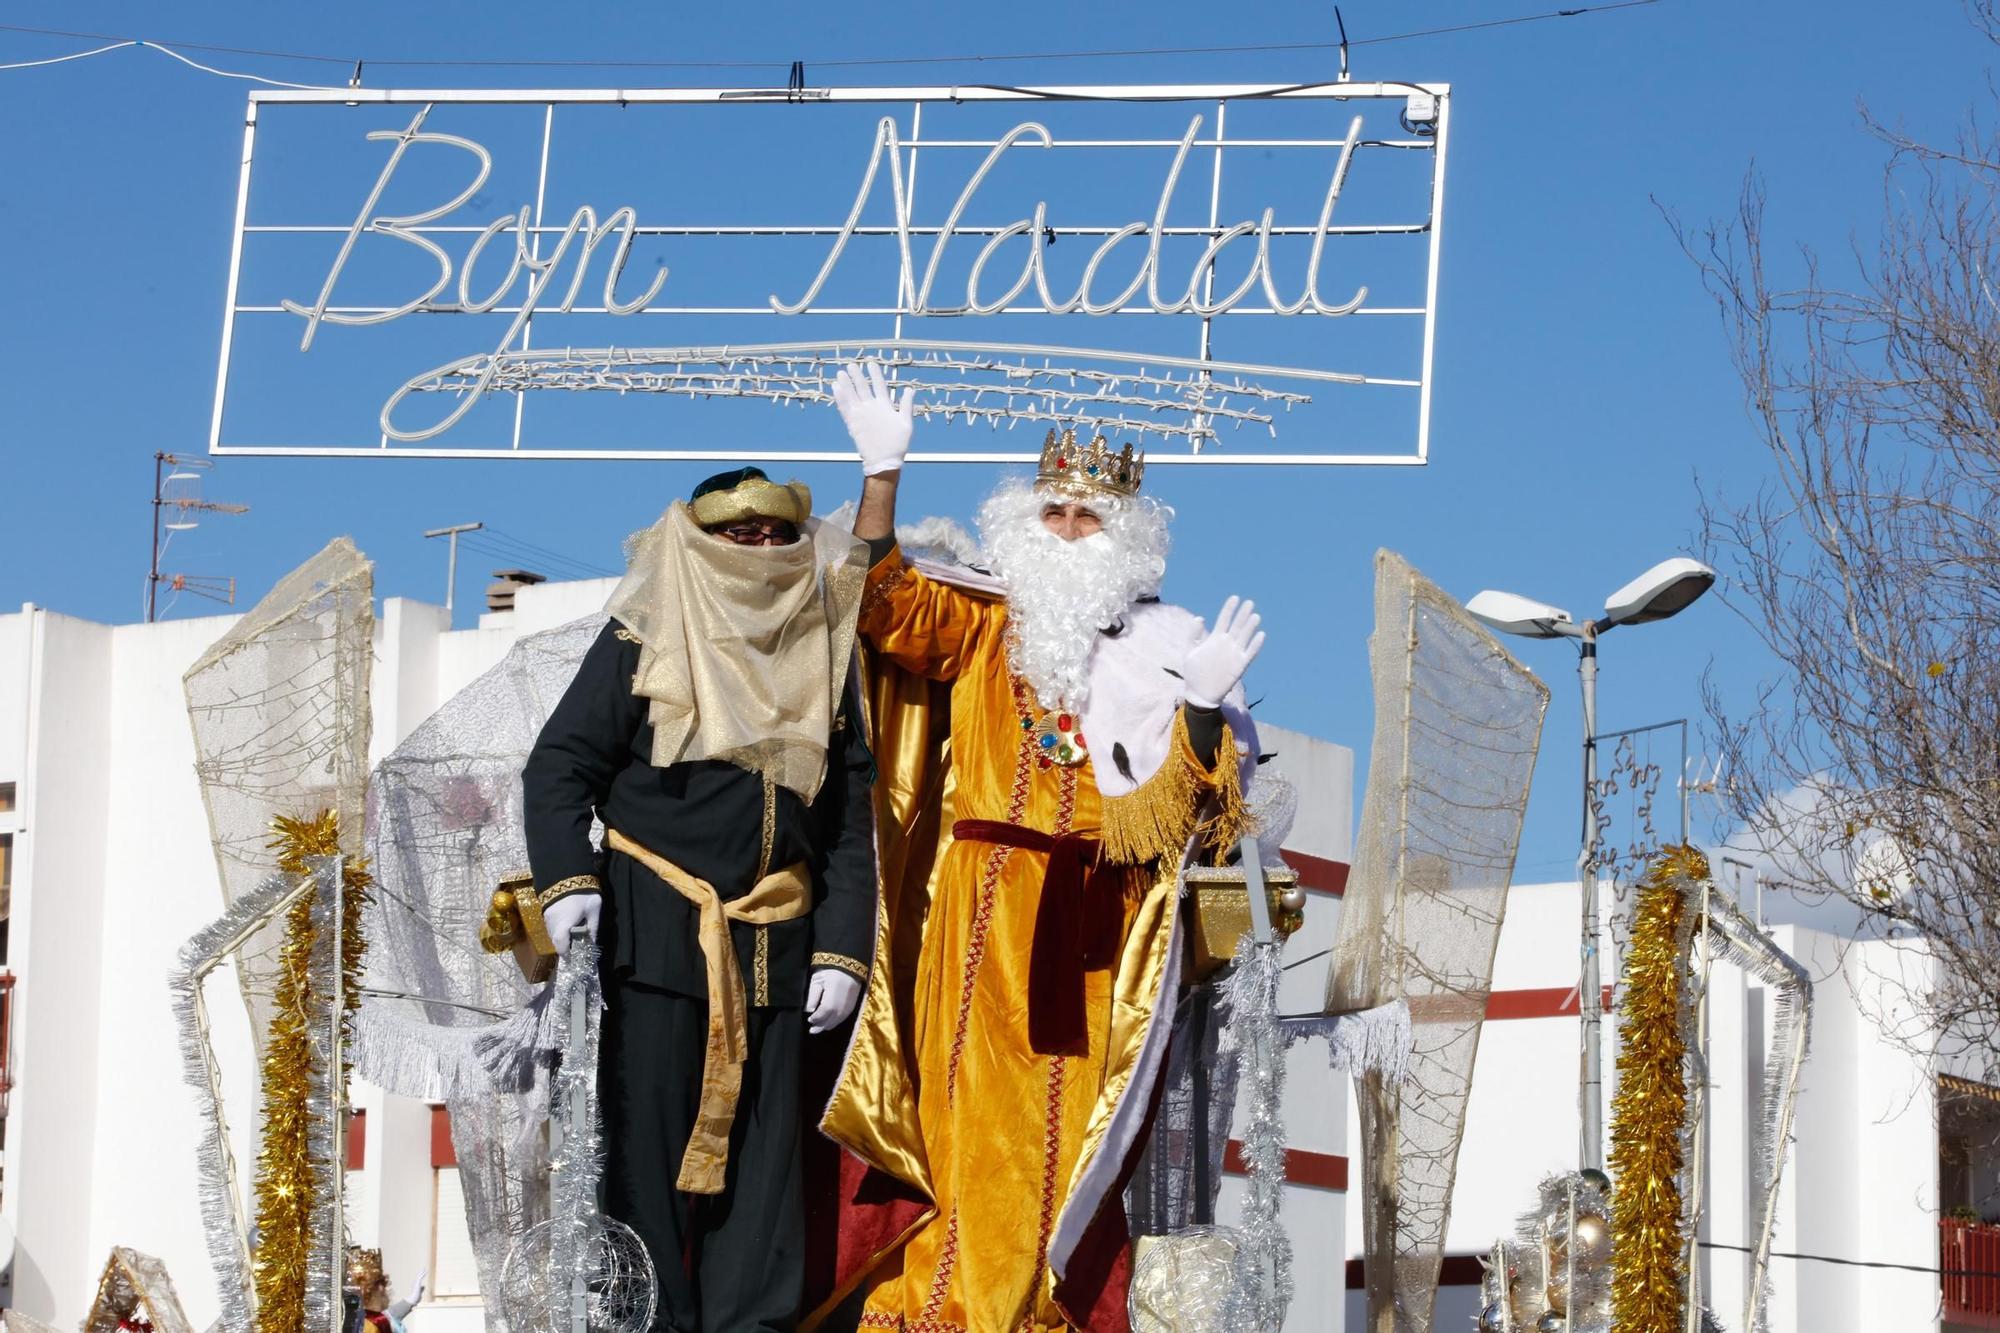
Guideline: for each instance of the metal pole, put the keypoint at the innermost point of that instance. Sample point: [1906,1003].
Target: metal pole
[451,560]
[160,459]
[1204,1210]
[1591,992]
[579,1108]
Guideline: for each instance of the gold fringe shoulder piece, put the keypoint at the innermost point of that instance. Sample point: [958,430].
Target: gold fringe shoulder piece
[1232,821]
[1157,818]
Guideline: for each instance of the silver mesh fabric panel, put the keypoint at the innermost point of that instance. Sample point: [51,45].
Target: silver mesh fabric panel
[1457,727]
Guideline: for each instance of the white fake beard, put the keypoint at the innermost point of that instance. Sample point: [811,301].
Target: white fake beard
[1060,594]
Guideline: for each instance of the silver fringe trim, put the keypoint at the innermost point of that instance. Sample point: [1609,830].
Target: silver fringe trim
[516,1056]
[1367,1041]
[216,1187]
[415,1058]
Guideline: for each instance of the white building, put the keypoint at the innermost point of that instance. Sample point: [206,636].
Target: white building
[103,835]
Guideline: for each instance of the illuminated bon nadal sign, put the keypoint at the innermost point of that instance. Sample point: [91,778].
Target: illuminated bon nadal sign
[512,266]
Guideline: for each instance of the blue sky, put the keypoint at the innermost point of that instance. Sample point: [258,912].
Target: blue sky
[1582,384]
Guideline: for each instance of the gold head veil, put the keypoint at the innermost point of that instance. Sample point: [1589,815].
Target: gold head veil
[745,649]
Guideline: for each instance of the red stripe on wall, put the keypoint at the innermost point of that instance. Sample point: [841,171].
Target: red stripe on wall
[1318,874]
[442,1153]
[1457,1270]
[357,1140]
[1320,1170]
[1552,1002]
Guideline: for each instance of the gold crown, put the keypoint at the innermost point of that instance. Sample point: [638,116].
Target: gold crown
[364,1268]
[1089,470]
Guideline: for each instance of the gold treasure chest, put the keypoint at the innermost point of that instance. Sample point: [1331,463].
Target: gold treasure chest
[514,921]
[1221,911]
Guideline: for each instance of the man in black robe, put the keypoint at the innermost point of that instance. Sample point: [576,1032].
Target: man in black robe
[712,731]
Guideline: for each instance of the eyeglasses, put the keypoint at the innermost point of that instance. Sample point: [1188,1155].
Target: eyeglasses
[752,534]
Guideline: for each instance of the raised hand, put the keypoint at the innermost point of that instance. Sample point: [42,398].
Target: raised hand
[1215,664]
[877,421]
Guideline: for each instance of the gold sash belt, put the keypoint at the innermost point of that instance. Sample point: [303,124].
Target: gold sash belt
[783,895]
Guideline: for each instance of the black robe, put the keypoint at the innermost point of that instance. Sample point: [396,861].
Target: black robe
[594,756]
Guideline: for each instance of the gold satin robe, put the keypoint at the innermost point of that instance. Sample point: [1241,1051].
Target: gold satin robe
[941,1088]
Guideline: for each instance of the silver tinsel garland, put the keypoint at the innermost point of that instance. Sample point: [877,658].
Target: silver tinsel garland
[1253,1032]
[326,1258]
[217,1189]
[576,1247]
[1255,1040]
[577,1163]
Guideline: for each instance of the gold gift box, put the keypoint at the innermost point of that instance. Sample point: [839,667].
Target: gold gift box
[1222,911]
[514,921]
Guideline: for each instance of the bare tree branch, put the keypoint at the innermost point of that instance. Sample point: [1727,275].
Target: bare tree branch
[1868,564]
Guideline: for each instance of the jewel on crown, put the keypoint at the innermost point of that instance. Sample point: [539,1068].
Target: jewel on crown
[1092,467]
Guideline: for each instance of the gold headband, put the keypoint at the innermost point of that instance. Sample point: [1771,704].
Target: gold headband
[756,497]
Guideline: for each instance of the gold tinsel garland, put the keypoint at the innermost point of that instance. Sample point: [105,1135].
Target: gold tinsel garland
[287,1177]
[1649,1112]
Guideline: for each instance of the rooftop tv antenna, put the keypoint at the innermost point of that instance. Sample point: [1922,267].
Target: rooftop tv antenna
[177,507]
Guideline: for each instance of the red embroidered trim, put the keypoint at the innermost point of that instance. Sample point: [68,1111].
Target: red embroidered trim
[982,914]
[1051,1153]
[876,1319]
[941,1279]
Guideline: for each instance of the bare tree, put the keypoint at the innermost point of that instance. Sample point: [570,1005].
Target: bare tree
[1869,564]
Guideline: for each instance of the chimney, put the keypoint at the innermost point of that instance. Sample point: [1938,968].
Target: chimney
[500,595]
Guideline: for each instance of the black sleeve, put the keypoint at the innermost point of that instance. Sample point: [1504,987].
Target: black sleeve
[586,743]
[879,547]
[844,920]
[1204,727]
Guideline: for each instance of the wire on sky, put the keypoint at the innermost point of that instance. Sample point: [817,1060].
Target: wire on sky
[119,43]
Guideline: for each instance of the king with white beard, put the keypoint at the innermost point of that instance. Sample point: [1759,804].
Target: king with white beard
[1049,757]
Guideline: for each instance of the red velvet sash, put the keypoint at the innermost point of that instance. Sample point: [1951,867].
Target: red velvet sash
[1076,926]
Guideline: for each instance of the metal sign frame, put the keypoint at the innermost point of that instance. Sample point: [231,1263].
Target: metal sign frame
[799,371]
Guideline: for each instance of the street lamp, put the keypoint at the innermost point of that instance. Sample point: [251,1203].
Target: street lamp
[1662,591]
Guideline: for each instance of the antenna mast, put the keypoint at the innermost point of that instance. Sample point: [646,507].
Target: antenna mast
[180,490]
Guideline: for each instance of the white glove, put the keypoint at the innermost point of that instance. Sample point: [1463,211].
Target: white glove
[567,913]
[400,1310]
[1215,664]
[876,421]
[830,998]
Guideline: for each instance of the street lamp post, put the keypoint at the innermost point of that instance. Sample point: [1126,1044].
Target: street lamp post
[1664,590]
[451,561]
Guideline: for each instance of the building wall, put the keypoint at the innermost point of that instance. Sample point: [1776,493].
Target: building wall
[56,932]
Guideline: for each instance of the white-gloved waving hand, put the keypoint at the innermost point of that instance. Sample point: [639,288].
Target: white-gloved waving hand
[1214,665]
[878,422]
